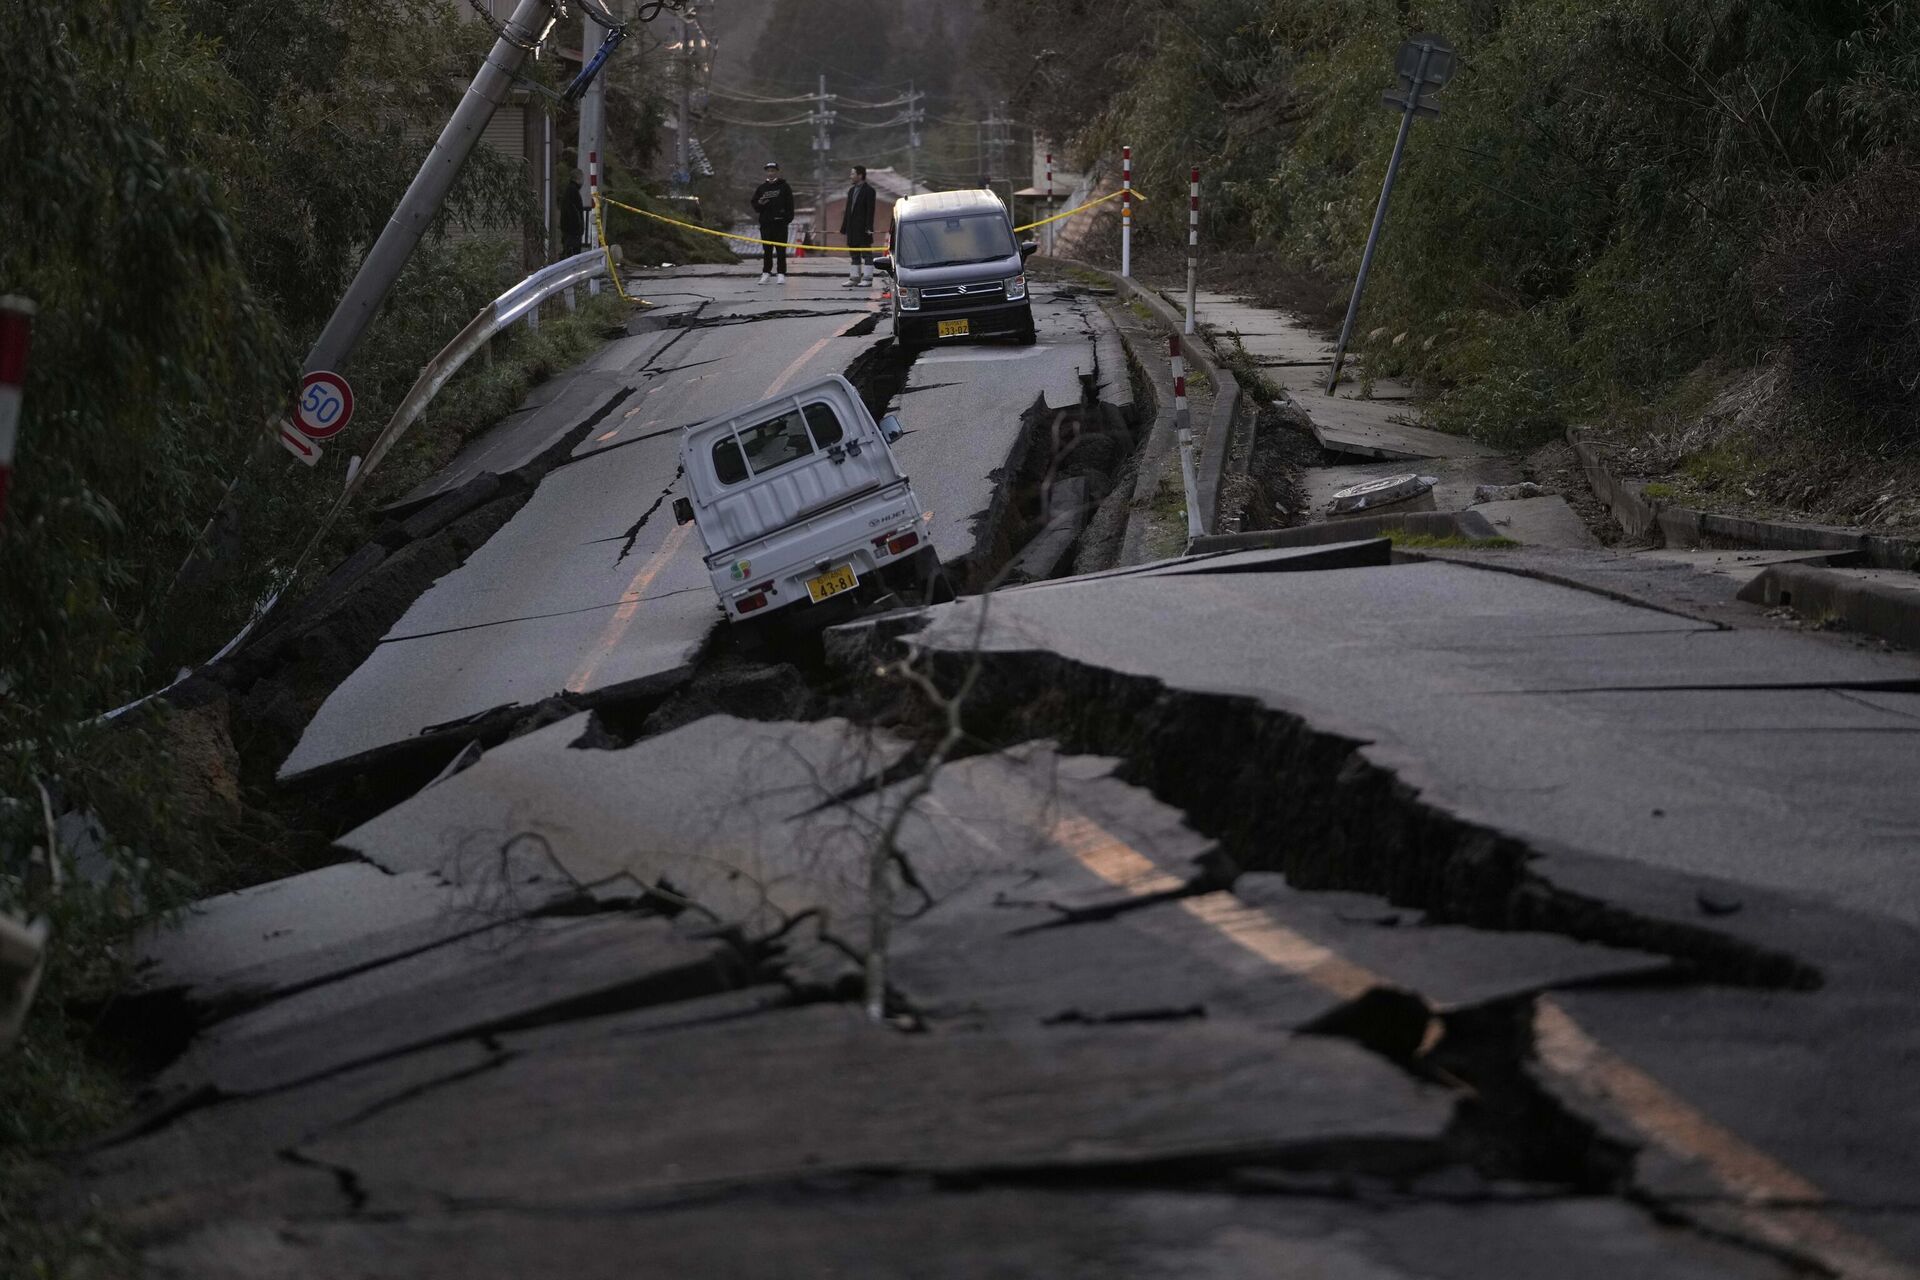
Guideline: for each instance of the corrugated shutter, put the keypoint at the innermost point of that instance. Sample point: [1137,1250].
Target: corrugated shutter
[507,132]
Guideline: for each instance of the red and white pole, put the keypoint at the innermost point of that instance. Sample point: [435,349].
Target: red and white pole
[1126,211]
[1193,242]
[16,331]
[1183,422]
[593,213]
[1050,225]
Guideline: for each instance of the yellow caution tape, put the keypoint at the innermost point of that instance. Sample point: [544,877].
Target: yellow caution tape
[613,268]
[823,248]
[709,231]
[1113,195]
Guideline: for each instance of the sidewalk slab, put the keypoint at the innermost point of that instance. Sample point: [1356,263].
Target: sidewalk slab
[1546,521]
[1377,429]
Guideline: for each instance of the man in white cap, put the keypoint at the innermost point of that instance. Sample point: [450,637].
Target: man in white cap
[773,202]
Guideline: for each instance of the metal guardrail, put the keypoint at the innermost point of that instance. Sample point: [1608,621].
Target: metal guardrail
[509,307]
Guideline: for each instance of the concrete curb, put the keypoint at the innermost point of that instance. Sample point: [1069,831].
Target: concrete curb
[1686,527]
[1864,602]
[1211,465]
[1156,442]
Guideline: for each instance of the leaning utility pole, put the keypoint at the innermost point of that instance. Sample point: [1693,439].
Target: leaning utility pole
[381,267]
[593,108]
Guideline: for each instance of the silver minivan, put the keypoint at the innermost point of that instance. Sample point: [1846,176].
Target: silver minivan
[958,272]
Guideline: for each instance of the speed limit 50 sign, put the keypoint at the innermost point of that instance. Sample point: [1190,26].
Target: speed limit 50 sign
[324,405]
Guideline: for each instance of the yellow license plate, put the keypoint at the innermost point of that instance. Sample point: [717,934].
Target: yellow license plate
[953,328]
[832,582]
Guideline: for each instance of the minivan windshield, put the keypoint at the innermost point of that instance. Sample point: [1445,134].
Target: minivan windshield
[953,241]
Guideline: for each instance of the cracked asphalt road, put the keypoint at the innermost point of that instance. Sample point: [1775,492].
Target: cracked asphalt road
[1284,913]
[548,606]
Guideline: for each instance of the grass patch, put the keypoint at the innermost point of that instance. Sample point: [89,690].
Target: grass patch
[1450,542]
[486,391]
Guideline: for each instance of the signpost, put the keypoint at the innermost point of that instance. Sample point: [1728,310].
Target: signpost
[324,406]
[1423,64]
[321,411]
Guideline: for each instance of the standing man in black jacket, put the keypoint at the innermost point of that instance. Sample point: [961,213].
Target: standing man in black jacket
[773,202]
[856,224]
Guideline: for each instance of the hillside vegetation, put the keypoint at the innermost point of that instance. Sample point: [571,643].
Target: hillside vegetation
[1625,204]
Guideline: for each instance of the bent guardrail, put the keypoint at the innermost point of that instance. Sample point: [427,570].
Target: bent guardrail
[509,307]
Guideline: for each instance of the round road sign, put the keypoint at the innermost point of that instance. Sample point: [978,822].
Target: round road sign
[324,406]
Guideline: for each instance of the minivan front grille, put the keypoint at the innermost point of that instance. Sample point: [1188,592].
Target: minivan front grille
[934,297]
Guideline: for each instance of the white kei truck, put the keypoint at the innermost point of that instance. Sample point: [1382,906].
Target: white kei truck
[799,501]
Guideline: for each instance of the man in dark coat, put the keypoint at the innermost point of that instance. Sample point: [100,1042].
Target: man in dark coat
[573,223]
[773,202]
[856,224]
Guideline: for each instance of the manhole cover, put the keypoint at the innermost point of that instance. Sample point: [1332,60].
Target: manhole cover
[1380,493]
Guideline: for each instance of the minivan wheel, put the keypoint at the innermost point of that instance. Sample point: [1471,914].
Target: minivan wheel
[1025,335]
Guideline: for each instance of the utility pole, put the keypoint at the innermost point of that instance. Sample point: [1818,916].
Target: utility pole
[593,109]
[382,265]
[683,152]
[914,116]
[822,120]
[996,145]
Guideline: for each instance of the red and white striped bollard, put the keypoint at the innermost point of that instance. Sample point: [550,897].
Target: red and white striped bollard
[1126,211]
[1193,242]
[16,332]
[593,214]
[1050,224]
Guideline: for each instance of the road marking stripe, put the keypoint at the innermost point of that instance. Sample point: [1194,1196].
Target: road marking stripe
[1562,1045]
[624,615]
[1670,1123]
[621,620]
[786,374]
[1125,867]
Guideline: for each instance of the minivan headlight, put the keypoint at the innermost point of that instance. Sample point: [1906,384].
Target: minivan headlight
[909,298]
[1017,287]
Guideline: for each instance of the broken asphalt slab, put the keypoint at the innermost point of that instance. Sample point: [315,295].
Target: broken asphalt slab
[814,1092]
[1028,1233]
[1511,723]
[520,973]
[244,947]
[702,811]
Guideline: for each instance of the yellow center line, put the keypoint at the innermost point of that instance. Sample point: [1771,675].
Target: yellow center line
[799,363]
[624,615]
[1125,867]
[1562,1045]
[616,628]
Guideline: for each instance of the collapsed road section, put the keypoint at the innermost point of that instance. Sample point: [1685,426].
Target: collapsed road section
[1235,915]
